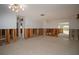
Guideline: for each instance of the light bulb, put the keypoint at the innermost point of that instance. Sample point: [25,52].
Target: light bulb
[21,6]
[16,10]
[10,7]
[23,9]
[16,7]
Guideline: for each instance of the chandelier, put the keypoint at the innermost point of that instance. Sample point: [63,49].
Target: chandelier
[16,7]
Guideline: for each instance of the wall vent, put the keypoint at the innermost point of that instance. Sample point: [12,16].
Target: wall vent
[42,14]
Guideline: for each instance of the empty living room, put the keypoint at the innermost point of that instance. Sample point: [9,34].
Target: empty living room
[39,29]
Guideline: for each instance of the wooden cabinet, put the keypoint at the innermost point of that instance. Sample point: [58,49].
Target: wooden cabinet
[40,31]
[52,32]
[7,33]
[34,32]
[31,32]
[14,34]
[0,37]
[25,34]
[0,34]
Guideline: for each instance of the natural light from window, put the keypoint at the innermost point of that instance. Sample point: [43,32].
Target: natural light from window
[65,27]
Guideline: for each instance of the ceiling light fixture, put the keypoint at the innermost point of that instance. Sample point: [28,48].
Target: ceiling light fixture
[16,7]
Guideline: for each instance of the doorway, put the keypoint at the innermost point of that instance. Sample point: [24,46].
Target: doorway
[64,34]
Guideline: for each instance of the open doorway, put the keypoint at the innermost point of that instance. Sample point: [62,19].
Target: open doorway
[65,30]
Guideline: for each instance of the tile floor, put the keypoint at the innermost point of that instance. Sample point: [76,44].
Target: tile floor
[42,45]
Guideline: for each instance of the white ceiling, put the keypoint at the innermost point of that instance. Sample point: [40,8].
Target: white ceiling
[51,11]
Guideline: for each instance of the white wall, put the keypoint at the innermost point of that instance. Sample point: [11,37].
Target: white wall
[74,24]
[54,23]
[7,21]
[30,23]
[7,18]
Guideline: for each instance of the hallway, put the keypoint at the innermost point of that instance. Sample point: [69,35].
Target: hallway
[41,45]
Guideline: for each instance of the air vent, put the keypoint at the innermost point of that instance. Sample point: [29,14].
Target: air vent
[42,15]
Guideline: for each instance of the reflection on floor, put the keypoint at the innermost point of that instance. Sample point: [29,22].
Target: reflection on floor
[41,45]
